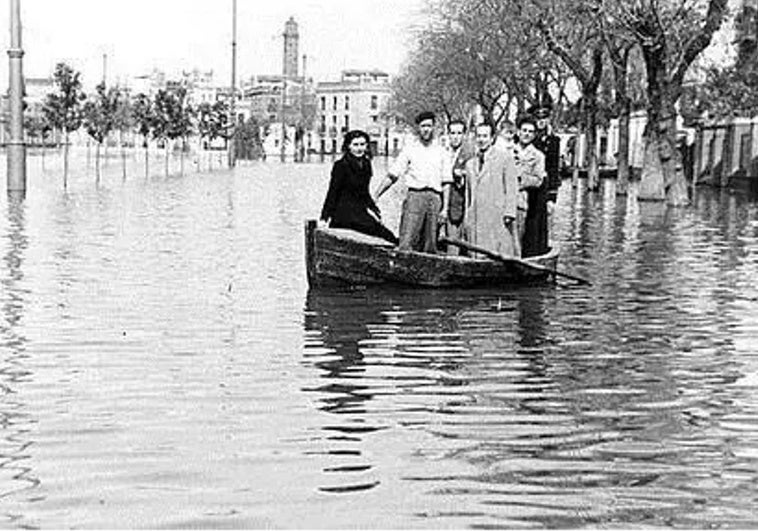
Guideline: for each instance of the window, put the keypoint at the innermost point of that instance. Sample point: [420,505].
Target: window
[323,103]
[334,119]
[712,152]
[347,122]
[334,103]
[374,102]
[746,143]
[374,118]
[347,103]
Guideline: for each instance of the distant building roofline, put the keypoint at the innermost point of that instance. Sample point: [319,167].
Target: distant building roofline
[373,72]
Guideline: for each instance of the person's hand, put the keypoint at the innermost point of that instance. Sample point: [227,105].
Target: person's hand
[321,224]
[442,217]
[550,208]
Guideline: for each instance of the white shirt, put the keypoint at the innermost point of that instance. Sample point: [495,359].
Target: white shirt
[424,166]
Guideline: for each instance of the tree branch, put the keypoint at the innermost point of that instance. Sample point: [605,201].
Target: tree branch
[699,41]
[554,46]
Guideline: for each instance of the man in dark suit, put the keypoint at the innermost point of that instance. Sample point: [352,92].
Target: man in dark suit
[542,199]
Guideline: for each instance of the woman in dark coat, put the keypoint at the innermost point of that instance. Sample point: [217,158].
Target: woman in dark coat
[348,203]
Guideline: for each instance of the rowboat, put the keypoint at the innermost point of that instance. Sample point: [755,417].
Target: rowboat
[342,256]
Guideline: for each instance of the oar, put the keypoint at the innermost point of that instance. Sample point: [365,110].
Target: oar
[512,259]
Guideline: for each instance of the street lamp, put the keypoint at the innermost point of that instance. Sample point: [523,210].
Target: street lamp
[233,107]
[16,181]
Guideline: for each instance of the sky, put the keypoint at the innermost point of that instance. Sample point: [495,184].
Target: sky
[171,35]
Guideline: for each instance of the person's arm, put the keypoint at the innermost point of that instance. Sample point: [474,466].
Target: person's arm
[445,202]
[510,182]
[385,185]
[398,168]
[446,179]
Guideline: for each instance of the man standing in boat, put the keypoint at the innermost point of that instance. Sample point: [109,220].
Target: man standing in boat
[493,180]
[542,199]
[530,163]
[458,198]
[426,166]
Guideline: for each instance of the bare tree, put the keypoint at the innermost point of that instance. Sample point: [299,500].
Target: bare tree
[572,31]
[671,35]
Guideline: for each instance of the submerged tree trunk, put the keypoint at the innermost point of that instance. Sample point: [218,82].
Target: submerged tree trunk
[97,163]
[147,159]
[622,158]
[664,86]
[593,171]
[65,161]
[181,158]
[123,154]
[665,179]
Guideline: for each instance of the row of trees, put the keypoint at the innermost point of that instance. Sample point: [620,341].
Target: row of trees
[617,55]
[167,117]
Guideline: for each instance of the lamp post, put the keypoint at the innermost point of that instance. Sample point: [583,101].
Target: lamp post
[233,106]
[16,148]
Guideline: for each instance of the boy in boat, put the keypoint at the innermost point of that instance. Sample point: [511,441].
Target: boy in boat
[530,163]
[425,164]
[458,198]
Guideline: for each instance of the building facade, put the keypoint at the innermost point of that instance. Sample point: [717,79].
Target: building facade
[359,100]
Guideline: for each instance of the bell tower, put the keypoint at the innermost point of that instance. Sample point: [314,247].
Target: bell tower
[291,40]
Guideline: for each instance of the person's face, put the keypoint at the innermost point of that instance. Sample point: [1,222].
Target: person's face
[426,130]
[483,137]
[357,146]
[455,133]
[526,134]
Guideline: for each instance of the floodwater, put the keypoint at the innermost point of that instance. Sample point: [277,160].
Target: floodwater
[164,365]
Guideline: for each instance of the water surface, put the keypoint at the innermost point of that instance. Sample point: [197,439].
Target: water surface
[163,364]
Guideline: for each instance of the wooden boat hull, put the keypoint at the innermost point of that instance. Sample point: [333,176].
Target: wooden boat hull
[342,256]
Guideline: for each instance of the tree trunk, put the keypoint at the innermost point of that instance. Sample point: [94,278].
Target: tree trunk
[147,159]
[651,182]
[166,150]
[663,174]
[622,159]
[65,162]
[181,158]
[97,163]
[593,172]
[123,154]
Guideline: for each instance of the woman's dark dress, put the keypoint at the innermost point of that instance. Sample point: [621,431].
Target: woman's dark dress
[348,200]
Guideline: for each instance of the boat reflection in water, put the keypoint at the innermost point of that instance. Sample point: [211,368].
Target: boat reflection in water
[478,408]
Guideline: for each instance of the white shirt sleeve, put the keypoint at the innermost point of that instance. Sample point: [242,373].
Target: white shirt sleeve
[400,165]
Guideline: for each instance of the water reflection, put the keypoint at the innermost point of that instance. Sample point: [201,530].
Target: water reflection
[16,475]
[529,416]
[159,346]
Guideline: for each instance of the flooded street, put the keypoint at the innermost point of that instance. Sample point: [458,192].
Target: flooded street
[163,364]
